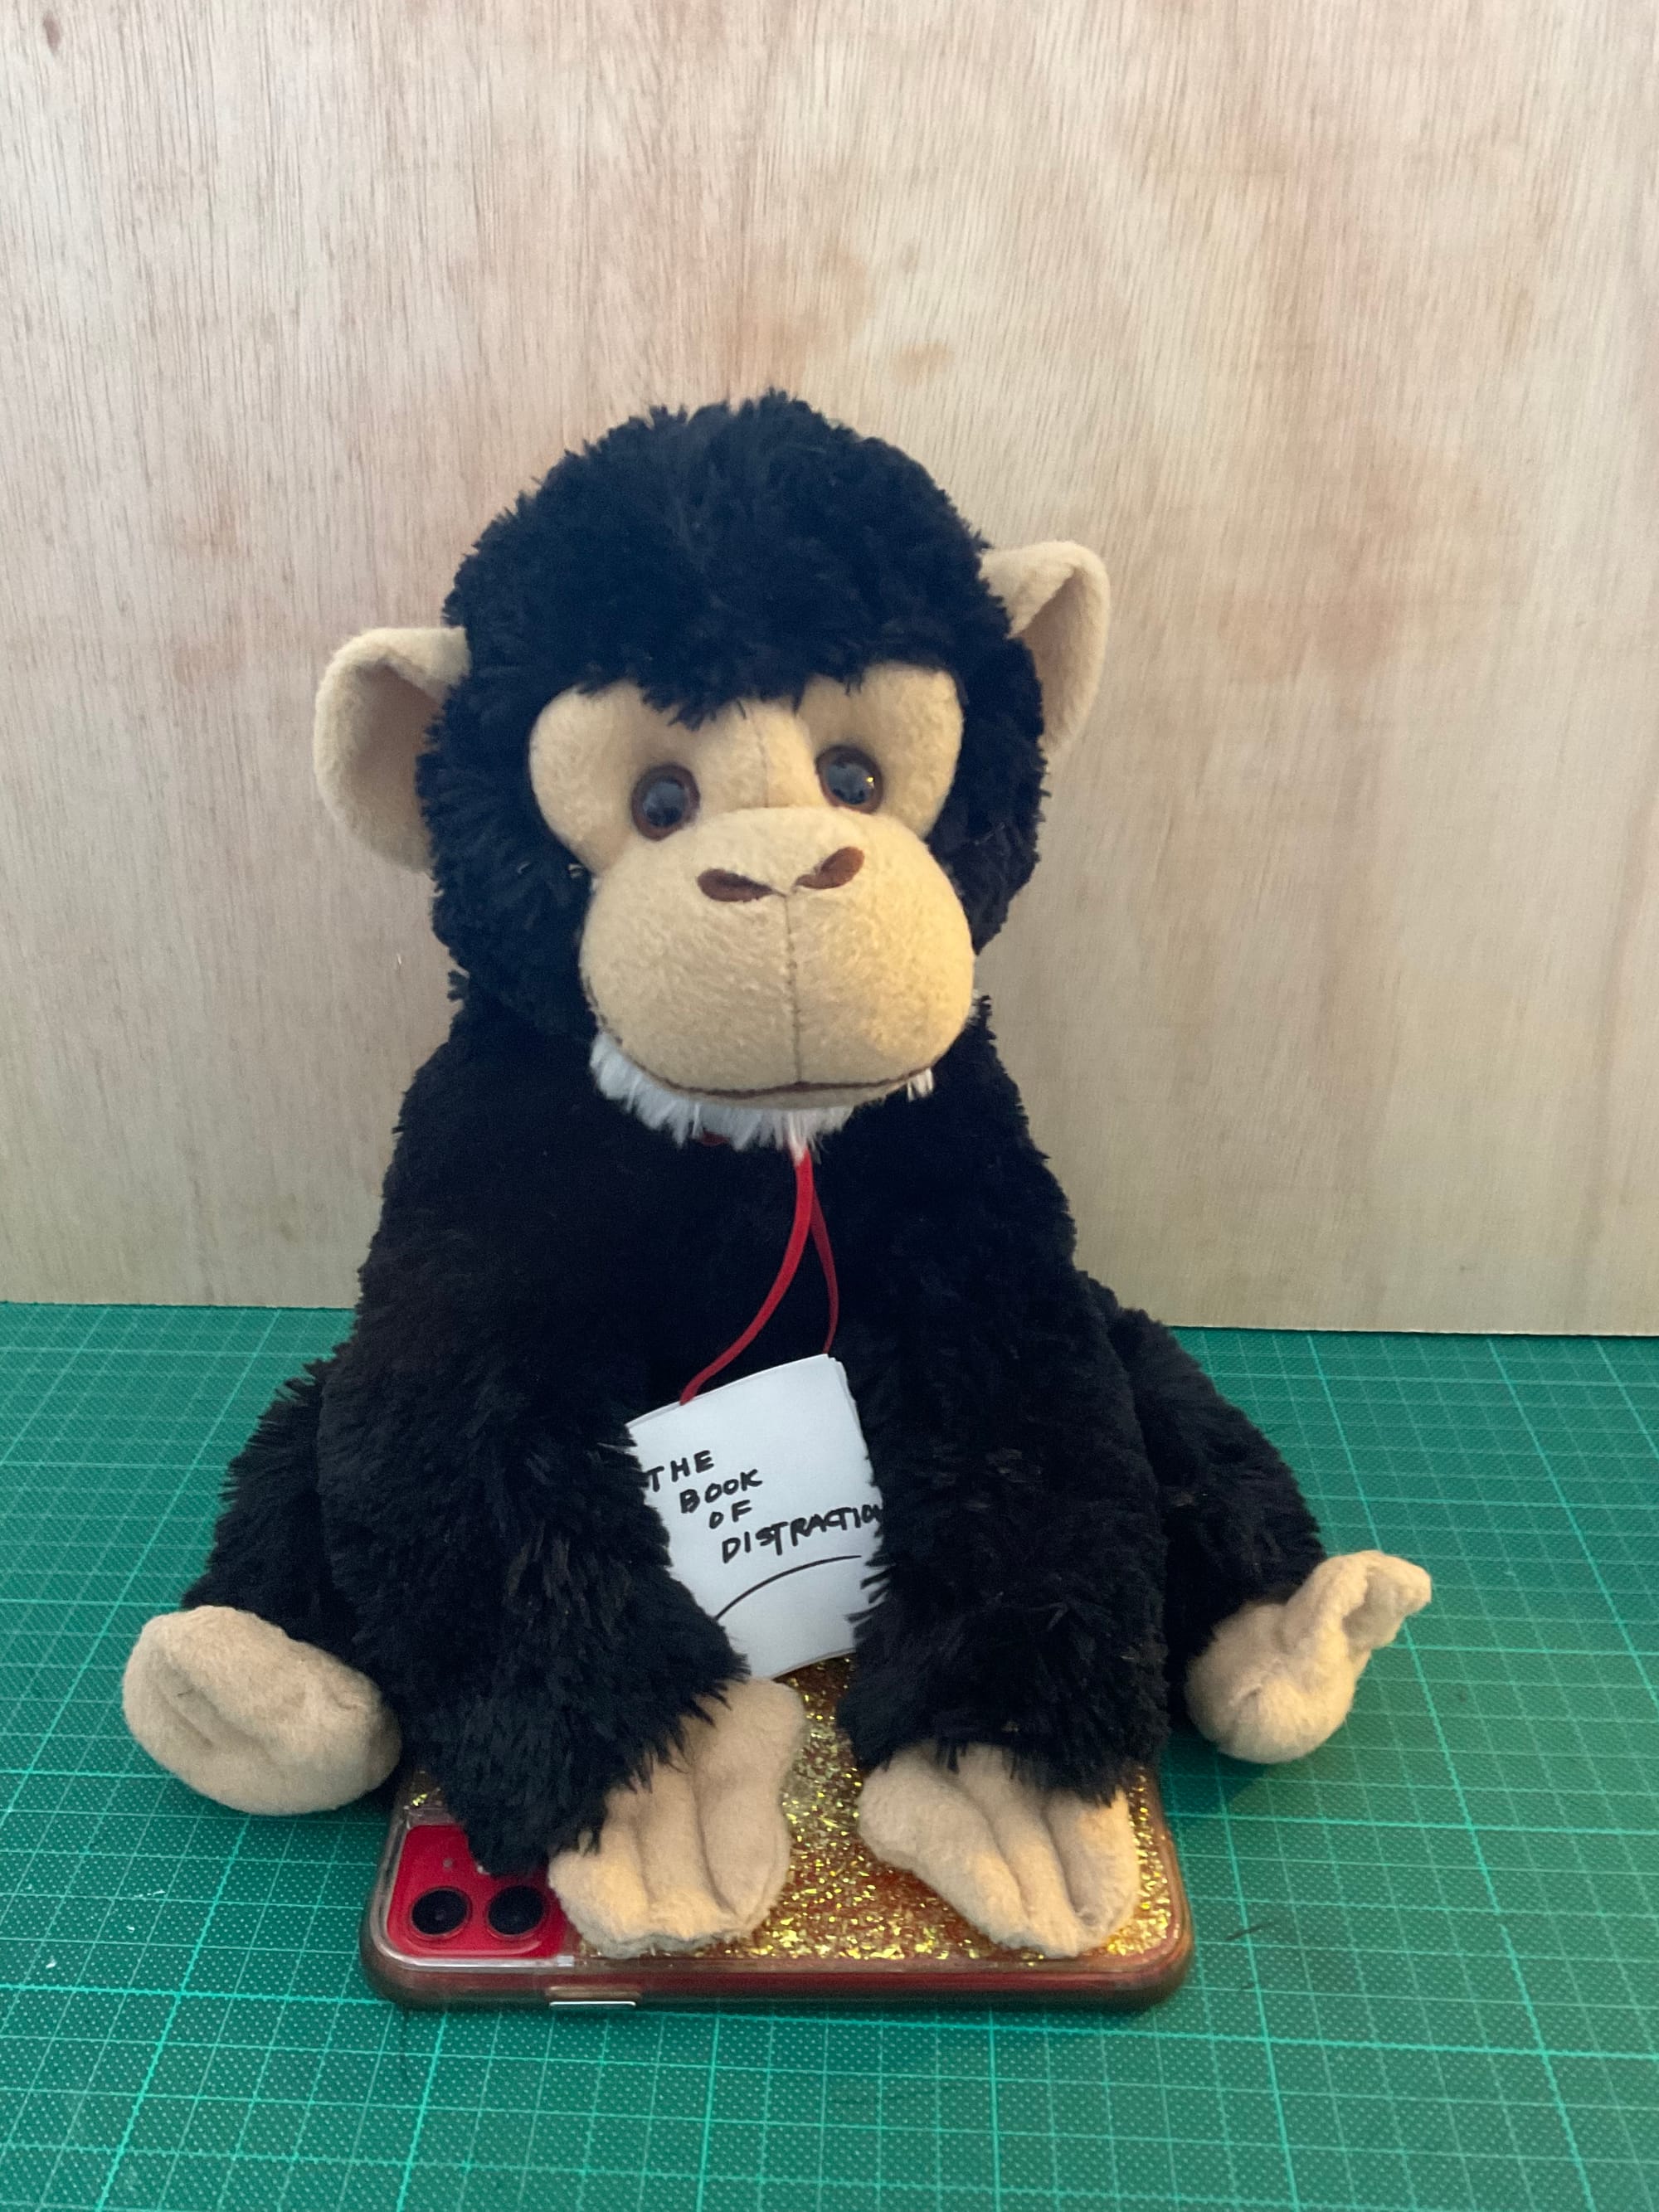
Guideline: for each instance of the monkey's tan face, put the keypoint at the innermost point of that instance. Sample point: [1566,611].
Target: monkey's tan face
[768,927]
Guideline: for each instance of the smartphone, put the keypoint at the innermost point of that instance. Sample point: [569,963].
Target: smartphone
[439,1931]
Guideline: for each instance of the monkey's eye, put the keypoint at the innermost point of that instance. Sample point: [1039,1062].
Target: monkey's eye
[850,778]
[665,799]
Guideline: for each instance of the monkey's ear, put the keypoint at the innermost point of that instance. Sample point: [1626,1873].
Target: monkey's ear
[375,706]
[1058,602]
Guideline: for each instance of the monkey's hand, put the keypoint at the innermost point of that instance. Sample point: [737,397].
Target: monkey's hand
[1275,1681]
[696,1853]
[1038,1870]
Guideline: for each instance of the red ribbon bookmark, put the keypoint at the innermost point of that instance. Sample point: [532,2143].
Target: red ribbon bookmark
[809,1216]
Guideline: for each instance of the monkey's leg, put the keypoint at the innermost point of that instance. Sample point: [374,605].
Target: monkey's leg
[245,1694]
[1276,1680]
[1267,1637]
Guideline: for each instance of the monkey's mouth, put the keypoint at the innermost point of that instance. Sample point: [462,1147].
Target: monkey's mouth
[768,1093]
[791,1114]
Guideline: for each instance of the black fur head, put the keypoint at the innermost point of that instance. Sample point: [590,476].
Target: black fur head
[732,552]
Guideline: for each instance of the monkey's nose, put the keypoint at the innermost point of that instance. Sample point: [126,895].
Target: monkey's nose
[830,874]
[837,868]
[723,884]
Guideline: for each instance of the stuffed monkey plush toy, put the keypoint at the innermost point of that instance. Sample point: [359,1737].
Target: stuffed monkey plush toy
[726,761]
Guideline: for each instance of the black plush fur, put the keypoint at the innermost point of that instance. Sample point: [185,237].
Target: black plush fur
[450,1502]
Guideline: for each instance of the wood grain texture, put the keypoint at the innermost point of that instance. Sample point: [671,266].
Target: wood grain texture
[1332,326]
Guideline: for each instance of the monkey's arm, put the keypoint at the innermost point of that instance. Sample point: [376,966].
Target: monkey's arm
[485,1517]
[1022,1550]
[1022,1554]
[489,1528]
[1018,1633]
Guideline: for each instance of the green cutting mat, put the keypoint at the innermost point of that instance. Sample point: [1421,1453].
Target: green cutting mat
[1428,1957]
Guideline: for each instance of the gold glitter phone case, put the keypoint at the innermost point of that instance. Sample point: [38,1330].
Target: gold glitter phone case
[846,1928]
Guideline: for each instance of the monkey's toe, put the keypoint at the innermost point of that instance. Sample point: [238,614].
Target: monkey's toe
[695,1854]
[1038,1870]
[1275,1681]
[252,1718]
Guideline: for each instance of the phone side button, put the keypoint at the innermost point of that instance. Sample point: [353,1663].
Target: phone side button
[558,2004]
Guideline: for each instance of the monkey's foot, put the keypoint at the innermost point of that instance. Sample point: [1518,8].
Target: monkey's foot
[1276,1680]
[698,1852]
[1038,1870]
[244,1714]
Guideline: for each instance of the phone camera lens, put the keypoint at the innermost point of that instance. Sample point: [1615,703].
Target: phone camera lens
[515,1912]
[439,1912]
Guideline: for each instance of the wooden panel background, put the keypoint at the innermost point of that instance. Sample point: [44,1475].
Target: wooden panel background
[1331,324]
